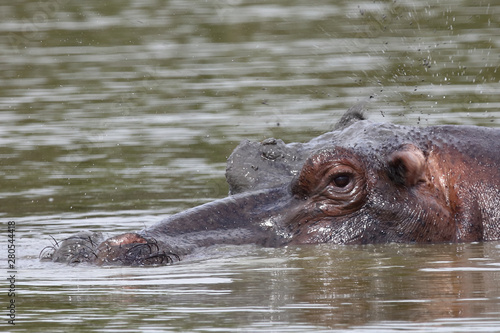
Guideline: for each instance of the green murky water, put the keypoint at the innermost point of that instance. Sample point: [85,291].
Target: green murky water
[114,114]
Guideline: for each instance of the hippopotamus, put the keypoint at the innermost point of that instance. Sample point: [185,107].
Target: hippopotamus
[362,183]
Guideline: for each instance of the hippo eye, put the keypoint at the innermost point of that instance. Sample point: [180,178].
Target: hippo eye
[341,180]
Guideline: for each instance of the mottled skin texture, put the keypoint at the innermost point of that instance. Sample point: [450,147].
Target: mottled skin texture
[362,183]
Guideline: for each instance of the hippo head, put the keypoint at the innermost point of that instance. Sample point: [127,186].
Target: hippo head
[363,182]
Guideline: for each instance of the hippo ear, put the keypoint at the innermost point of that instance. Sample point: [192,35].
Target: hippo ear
[407,165]
[354,114]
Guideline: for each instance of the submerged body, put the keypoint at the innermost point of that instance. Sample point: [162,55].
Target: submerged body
[362,183]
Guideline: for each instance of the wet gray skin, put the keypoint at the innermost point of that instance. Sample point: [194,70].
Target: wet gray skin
[362,183]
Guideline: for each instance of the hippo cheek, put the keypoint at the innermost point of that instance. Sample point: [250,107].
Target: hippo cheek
[348,229]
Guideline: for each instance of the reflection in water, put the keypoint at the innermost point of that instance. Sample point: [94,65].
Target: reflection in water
[402,283]
[306,287]
[116,113]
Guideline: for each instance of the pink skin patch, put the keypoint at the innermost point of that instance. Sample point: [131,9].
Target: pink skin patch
[128,238]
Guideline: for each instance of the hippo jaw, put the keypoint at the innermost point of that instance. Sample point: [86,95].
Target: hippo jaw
[247,218]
